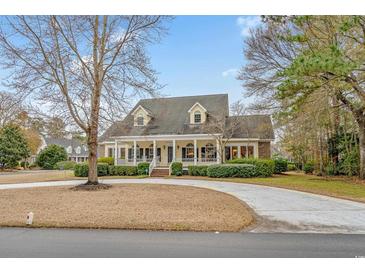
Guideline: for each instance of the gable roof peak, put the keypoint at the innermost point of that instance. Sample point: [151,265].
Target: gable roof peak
[197,104]
[139,106]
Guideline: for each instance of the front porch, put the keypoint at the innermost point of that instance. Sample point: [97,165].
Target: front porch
[189,151]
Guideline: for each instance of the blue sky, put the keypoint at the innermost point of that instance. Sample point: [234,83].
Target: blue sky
[201,55]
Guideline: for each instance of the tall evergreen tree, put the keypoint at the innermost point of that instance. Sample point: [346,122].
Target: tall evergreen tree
[13,146]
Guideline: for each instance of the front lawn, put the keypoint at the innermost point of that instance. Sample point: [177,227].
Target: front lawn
[129,206]
[31,176]
[339,187]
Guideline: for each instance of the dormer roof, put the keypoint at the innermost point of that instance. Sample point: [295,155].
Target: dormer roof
[197,104]
[140,107]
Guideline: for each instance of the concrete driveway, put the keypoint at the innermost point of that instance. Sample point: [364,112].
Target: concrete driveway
[279,210]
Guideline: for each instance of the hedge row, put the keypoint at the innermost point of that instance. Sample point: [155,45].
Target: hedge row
[264,167]
[232,170]
[82,170]
[123,170]
[65,165]
[197,170]
[106,160]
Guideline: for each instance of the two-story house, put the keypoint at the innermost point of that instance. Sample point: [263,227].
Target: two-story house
[164,130]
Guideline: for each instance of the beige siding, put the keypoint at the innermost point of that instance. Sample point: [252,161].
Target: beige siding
[101,151]
[202,112]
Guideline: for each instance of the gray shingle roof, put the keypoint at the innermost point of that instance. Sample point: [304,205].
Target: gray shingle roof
[170,116]
[253,126]
[64,142]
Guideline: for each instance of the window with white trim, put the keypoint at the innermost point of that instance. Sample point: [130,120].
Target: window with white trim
[197,117]
[140,120]
[188,151]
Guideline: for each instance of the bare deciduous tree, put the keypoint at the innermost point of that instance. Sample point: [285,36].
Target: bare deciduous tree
[10,107]
[84,68]
[223,127]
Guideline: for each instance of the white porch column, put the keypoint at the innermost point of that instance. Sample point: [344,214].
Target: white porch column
[126,153]
[218,153]
[154,151]
[195,156]
[115,152]
[174,150]
[134,152]
[239,151]
[256,150]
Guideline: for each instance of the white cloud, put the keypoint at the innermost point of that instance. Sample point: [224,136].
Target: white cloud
[248,22]
[230,72]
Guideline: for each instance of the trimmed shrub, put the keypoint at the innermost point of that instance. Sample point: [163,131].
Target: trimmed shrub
[131,171]
[106,160]
[103,169]
[177,168]
[281,165]
[51,155]
[123,170]
[264,167]
[112,170]
[81,170]
[65,165]
[197,170]
[292,167]
[24,164]
[308,167]
[232,170]
[143,168]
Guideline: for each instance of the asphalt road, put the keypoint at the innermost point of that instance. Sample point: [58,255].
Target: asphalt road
[23,242]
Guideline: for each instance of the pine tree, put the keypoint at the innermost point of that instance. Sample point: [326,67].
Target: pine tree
[13,146]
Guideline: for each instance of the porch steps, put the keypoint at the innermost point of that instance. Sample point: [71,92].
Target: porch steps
[160,172]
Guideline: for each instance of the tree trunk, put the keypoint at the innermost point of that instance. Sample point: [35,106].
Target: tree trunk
[362,148]
[222,152]
[320,154]
[95,108]
[93,147]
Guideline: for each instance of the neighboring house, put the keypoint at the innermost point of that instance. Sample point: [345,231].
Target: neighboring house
[76,150]
[164,130]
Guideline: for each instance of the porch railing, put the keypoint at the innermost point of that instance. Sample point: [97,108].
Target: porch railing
[201,160]
[208,160]
[170,168]
[151,166]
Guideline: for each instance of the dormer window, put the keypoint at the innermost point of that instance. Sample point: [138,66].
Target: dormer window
[140,120]
[141,116]
[197,117]
[197,114]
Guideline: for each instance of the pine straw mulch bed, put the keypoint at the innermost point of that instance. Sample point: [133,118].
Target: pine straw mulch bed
[129,206]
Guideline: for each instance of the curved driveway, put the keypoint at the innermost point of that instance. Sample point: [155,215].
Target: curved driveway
[281,210]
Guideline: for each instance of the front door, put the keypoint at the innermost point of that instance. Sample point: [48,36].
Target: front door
[169,154]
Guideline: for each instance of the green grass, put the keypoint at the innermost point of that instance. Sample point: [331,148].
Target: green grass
[330,186]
